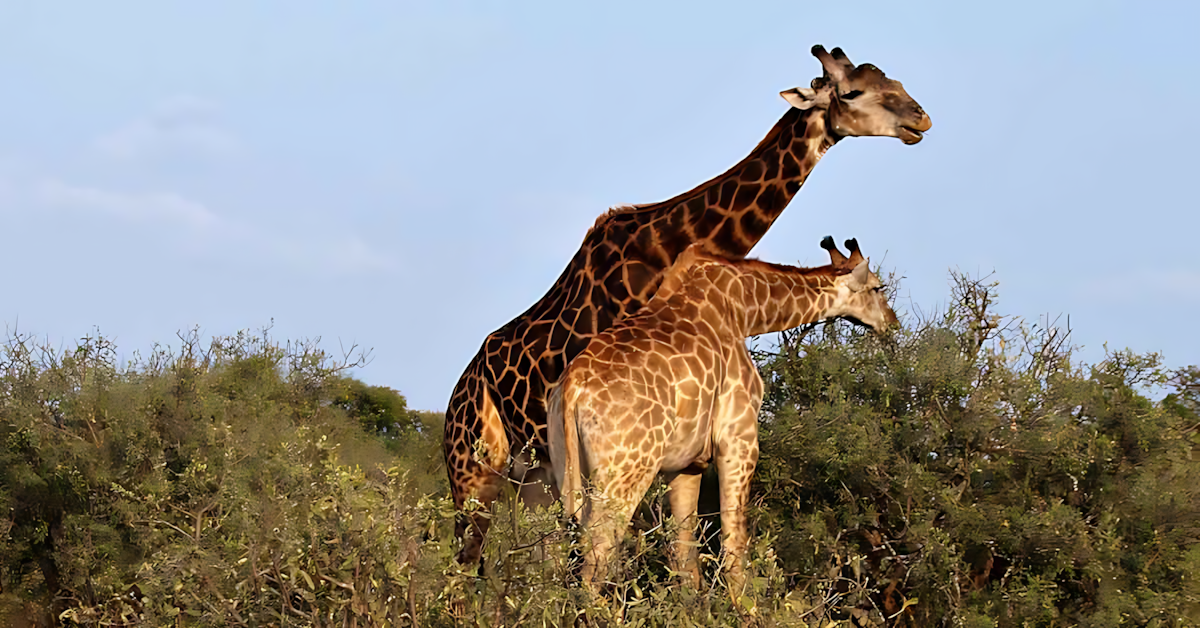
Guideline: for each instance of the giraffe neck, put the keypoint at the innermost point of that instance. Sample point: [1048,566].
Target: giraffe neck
[776,297]
[727,215]
[733,211]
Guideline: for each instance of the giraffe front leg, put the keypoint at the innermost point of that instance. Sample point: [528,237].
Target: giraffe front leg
[536,487]
[683,495]
[737,455]
[536,490]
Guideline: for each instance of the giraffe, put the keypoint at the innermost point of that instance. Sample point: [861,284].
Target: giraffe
[672,387]
[496,417]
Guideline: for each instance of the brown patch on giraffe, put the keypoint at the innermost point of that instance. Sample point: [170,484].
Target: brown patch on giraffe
[726,238]
[753,171]
[728,189]
[745,196]
[790,167]
[707,223]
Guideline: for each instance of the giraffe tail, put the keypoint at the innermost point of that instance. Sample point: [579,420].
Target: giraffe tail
[563,433]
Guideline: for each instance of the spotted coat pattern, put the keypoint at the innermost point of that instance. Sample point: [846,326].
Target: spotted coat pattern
[496,417]
[672,388]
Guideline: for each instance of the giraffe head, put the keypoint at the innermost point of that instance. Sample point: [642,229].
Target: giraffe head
[860,100]
[860,297]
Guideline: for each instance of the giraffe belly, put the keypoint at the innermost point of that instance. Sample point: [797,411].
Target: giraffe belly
[689,445]
[689,440]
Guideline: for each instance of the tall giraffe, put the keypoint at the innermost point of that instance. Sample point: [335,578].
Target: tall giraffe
[495,421]
[672,387]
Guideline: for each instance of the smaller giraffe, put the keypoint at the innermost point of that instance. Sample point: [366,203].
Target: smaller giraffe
[672,387]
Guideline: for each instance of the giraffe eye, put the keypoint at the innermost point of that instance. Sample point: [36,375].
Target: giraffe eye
[851,95]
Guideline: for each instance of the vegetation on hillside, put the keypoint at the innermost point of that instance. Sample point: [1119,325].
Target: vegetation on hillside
[964,472]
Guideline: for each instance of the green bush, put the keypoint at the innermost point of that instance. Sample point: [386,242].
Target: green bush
[963,472]
[228,484]
[967,472]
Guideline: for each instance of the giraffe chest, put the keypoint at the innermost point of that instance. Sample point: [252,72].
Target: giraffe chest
[664,403]
[706,410]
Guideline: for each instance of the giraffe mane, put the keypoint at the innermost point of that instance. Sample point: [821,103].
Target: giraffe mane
[616,210]
[827,269]
[695,255]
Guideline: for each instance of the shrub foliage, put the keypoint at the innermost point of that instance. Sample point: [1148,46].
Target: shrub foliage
[966,471]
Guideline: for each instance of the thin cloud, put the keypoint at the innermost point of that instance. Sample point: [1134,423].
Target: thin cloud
[134,207]
[187,127]
[209,231]
[181,126]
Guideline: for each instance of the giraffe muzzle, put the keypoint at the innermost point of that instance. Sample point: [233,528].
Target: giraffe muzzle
[911,134]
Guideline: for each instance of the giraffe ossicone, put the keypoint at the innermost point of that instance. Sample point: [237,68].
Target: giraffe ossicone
[672,388]
[497,413]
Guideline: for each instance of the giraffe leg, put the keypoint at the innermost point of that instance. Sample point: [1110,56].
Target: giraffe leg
[483,485]
[737,455]
[535,490]
[536,486]
[606,519]
[476,450]
[683,495]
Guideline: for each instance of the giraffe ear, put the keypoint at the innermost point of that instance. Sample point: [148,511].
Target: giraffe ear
[800,97]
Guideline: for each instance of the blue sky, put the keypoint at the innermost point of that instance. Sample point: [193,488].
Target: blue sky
[411,176]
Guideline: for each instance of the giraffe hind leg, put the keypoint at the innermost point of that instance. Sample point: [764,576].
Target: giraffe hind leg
[476,451]
[606,518]
[482,486]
